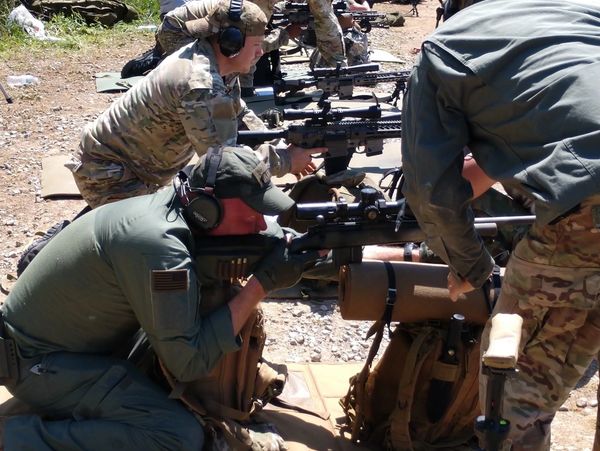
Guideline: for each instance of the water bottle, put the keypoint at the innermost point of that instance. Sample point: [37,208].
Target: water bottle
[22,80]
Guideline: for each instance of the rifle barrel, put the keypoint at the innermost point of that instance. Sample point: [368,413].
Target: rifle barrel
[500,220]
[252,137]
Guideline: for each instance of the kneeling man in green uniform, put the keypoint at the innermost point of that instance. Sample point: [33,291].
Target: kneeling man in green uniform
[129,265]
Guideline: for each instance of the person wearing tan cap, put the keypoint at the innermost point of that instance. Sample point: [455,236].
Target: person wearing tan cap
[187,105]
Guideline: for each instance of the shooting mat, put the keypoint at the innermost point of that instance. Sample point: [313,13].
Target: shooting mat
[318,387]
[57,180]
[112,82]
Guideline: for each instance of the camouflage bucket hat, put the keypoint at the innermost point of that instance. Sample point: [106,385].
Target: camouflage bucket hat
[252,21]
[242,174]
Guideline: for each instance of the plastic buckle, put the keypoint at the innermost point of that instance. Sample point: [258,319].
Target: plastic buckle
[391,297]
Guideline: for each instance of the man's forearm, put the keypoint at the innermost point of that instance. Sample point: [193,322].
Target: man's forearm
[245,302]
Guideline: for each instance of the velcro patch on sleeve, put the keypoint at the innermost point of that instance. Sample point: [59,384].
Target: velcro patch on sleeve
[169,280]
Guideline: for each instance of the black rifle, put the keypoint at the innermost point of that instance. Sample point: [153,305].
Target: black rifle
[331,128]
[342,227]
[299,13]
[340,81]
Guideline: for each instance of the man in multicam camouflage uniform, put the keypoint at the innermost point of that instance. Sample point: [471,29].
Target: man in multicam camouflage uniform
[524,99]
[177,30]
[173,32]
[188,104]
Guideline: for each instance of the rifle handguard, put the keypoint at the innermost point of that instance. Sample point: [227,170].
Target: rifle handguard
[421,293]
[505,337]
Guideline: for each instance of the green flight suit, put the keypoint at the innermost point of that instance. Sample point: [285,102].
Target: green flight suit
[118,268]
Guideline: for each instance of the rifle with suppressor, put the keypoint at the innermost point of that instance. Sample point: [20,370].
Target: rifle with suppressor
[299,13]
[340,81]
[342,227]
[331,128]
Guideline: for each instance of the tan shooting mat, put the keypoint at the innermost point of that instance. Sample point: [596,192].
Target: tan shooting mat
[318,387]
[57,180]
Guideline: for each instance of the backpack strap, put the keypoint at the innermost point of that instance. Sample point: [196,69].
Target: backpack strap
[399,432]
[357,384]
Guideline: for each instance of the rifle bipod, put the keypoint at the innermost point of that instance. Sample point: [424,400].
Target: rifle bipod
[6,96]
[492,427]
[499,362]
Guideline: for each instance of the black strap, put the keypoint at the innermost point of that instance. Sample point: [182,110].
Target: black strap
[492,287]
[408,250]
[9,363]
[213,160]
[390,300]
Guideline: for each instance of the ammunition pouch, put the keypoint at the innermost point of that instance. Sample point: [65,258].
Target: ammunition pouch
[9,363]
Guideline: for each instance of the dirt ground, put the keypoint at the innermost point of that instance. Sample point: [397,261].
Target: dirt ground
[46,119]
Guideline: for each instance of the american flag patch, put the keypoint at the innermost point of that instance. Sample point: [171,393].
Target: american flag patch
[169,280]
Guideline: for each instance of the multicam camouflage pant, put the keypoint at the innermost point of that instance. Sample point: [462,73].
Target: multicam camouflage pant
[553,282]
[171,38]
[101,182]
[357,46]
[330,40]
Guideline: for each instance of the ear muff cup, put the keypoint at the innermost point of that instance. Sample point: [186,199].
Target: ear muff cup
[232,39]
[204,210]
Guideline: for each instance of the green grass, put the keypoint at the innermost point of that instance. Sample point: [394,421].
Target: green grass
[76,34]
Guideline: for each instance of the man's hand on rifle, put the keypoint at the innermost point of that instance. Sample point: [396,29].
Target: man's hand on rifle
[281,268]
[458,286]
[302,163]
[358,6]
[346,21]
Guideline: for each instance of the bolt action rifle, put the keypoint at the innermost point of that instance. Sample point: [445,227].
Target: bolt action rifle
[340,81]
[333,128]
[340,226]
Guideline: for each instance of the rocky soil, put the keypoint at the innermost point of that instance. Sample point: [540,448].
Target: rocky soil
[47,118]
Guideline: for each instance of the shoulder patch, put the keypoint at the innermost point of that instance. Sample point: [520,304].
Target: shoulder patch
[169,280]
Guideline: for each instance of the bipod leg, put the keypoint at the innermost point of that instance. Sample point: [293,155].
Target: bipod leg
[6,96]
[499,362]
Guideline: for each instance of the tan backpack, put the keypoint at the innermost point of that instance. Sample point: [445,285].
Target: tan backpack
[388,405]
[237,387]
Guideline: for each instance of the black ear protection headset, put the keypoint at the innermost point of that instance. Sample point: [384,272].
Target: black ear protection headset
[201,207]
[232,39]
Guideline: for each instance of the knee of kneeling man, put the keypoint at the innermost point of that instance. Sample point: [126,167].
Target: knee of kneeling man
[190,433]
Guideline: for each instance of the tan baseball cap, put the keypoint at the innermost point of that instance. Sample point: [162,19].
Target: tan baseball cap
[252,20]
